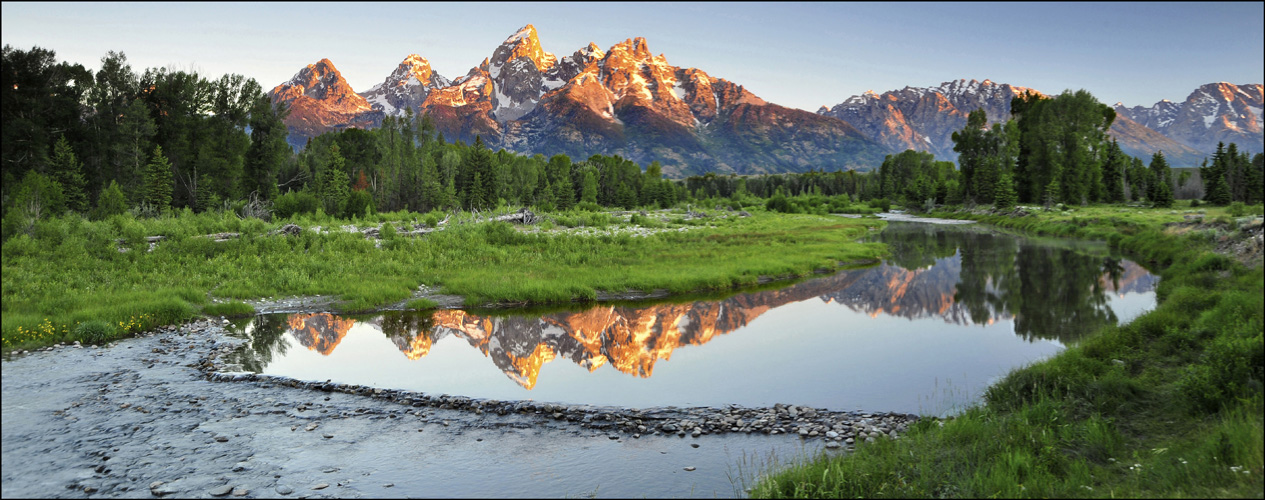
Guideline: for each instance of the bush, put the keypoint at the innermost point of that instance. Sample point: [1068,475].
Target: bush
[294,203]
[779,203]
[359,204]
[1237,209]
[93,332]
[882,204]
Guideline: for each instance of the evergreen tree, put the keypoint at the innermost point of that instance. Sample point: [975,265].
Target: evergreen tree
[204,194]
[432,191]
[112,201]
[1216,190]
[971,145]
[1162,193]
[1113,173]
[333,183]
[1255,180]
[268,147]
[1004,195]
[67,171]
[588,188]
[136,131]
[159,184]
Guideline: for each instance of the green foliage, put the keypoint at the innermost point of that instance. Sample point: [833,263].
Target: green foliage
[295,203]
[67,171]
[333,182]
[159,183]
[1161,194]
[112,202]
[1004,195]
[421,304]
[35,198]
[93,332]
[1168,405]
[1237,209]
[1058,137]
[359,204]
[228,309]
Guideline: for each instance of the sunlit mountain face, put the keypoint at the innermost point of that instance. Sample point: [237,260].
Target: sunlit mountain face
[962,278]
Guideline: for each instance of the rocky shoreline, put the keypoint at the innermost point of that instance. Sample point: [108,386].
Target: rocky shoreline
[158,416]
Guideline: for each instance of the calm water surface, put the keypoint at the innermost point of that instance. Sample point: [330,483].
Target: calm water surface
[953,309]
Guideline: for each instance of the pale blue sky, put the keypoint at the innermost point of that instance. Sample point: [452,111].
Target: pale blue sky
[799,55]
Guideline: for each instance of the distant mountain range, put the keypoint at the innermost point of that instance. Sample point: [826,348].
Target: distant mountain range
[629,102]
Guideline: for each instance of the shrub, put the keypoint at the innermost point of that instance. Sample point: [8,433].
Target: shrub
[295,203]
[93,332]
[359,204]
[1237,209]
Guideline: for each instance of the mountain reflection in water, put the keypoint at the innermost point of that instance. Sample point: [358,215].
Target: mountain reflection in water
[961,275]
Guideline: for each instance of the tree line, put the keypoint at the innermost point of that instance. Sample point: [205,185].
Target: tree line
[164,139]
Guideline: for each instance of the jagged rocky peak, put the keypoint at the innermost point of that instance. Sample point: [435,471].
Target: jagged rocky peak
[405,88]
[321,82]
[316,79]
[524,44]
[517,69]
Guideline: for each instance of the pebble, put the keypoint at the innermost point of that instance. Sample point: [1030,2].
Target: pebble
[221,438]
[832,444]
[282,489]
[240,492]
[694,445]
[321,486]
[689,469]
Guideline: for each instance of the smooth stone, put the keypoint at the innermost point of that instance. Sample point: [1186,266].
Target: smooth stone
[321,486]
[282,489]
[832,444]
[240,492]
[832,434]
[222,490]
[689,469]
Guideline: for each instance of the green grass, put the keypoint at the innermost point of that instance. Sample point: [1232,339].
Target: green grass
[228,309]
[421,304]
[71,270]
[1169,405]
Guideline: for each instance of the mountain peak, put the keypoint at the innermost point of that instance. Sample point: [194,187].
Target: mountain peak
[524,44]
[525,33]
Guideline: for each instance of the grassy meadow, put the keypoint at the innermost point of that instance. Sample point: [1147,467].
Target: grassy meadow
[71,273]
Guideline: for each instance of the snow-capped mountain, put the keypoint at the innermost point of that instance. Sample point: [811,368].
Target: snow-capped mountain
[622,101]
[925,118]
[320,100]
[406,88]
[1216,112]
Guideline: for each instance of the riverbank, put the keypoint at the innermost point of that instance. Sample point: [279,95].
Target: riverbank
[1169,405]
[73,281]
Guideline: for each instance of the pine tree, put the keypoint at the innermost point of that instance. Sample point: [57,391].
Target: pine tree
[159,182]
[67,171]
[1004,195]
[1113,173]
[333,184]
[588,188]
[1216,190]
[1162,191]
[112,201]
